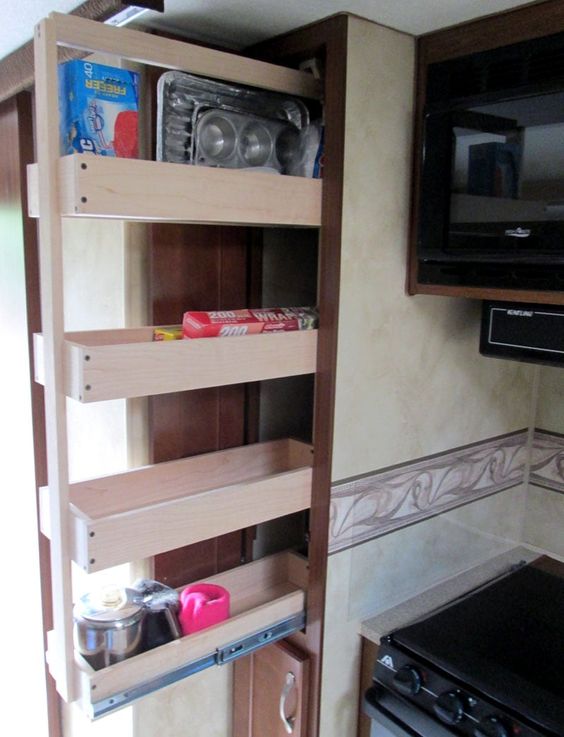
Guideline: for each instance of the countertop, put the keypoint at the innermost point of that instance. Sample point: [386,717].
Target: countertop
[419,606]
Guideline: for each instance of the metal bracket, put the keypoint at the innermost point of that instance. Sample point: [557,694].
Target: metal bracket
[249,644]
[124,698]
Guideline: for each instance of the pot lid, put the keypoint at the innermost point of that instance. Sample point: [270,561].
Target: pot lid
[156,596]
[109,604]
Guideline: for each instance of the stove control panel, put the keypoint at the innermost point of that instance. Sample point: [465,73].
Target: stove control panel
[408,680]
[450,707]
[429,690]
[493,726]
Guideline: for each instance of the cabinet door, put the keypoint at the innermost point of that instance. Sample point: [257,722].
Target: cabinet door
[271,693]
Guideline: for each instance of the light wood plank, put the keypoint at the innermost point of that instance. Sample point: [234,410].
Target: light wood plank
[125,516]
[52,311]
[32,190]
[44,511]
[128,363]
[141,369]
[162,52]
[133,189]
[174,480]
[259,598]
[141,533]
[298,571]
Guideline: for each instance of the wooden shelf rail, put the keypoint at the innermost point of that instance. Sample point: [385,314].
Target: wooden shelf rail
[263,593]
[113,364]
[132,189]
[143,512]
[143,48]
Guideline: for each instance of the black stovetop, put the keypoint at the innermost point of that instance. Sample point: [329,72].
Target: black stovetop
[506,641]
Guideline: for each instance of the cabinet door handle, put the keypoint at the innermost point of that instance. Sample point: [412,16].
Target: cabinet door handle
[289,684]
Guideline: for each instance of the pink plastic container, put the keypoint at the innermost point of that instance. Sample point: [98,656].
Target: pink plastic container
[202,605]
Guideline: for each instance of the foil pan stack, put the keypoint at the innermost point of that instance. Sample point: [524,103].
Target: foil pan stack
[208,123]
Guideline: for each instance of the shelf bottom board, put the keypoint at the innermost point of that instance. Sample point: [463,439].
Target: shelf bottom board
[220,656]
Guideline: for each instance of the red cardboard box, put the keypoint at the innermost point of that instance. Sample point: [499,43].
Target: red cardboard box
[227,323]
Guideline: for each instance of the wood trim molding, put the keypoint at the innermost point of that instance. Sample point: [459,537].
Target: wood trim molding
[16,69]
[326,40]
[22,108]
[512,26]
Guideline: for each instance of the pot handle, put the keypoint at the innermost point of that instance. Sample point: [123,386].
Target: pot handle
[173,623]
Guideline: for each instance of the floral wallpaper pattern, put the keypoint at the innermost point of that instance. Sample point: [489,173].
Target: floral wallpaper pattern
[547,461]
[372,505]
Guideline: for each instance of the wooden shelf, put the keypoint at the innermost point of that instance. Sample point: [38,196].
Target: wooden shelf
[137,514]
[133,189]
[144,48]
[125,363]
[263,593]
[143,512]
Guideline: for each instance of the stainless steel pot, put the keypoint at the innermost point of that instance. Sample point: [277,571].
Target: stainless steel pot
[108,625]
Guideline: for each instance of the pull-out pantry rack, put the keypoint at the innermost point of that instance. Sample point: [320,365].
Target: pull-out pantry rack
[109,520]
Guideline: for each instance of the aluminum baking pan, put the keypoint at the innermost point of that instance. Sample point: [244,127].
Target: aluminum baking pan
[182,98]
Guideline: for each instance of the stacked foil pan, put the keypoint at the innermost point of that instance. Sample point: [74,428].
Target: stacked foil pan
[209,123]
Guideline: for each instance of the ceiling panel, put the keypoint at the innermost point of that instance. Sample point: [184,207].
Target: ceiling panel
[238,23]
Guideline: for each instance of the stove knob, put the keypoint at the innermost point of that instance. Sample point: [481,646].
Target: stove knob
[449,707]
[491,727]
[408,680]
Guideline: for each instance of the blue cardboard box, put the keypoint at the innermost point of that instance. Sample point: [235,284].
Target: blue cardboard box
[98,107]
[493,169]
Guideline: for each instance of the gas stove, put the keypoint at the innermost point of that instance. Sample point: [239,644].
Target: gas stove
[490,664]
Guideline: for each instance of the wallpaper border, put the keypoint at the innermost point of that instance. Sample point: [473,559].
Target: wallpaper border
[547,461]
[369,506]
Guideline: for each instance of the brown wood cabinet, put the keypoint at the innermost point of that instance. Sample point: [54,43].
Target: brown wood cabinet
[16,152]
[271,693]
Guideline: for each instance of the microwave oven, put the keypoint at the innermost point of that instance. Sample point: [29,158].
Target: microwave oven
[491,199]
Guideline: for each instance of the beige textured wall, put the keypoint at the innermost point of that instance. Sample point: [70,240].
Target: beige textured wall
[550,406]
[544,517]
[410,380]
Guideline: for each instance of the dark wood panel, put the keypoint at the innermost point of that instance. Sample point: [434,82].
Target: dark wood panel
[508,295]
[368,658]
[419,93]
[201,268]
[328,41]
[258,683]
[521,24]
[16,151]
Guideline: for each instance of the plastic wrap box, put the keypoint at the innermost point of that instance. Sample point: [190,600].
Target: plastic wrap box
[98,109]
